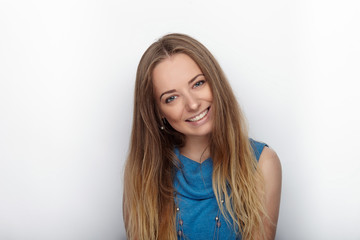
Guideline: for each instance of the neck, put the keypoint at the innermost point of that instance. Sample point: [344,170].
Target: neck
[196,148]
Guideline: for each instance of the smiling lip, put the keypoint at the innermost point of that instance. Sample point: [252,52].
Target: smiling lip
[199,116]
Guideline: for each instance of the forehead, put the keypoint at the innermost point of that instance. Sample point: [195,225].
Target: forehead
[173,72]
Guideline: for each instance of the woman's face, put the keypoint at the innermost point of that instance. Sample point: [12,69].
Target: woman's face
[183,95]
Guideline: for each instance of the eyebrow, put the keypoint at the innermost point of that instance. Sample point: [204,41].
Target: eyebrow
[173,90]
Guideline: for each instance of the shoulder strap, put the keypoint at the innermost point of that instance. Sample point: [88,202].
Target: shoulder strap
[257,147]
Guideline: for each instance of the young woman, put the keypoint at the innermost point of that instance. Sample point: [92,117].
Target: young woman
[192,171]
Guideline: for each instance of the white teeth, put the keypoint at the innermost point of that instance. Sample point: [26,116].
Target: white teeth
[200,116]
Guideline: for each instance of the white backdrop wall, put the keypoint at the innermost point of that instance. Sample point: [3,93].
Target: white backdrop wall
[67,71]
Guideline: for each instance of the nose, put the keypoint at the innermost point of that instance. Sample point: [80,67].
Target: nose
[192,103]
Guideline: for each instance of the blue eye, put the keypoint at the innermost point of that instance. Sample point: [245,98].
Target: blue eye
[199,83]
[170,99]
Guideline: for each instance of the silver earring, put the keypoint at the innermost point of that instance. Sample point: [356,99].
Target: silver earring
[162,127]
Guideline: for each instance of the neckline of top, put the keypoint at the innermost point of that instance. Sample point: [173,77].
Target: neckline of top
[189,160]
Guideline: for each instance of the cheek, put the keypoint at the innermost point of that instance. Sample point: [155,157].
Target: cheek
[208,94]
[173,114]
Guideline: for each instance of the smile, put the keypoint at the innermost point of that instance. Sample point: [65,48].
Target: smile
[199,117]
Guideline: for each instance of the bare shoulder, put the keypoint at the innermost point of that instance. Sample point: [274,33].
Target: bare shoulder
[269,162]
[270,167]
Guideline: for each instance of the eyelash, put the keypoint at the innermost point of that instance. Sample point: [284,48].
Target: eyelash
[170,99]
[196,85]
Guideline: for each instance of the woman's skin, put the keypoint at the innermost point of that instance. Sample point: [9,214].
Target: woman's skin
[184,98]
[269,164]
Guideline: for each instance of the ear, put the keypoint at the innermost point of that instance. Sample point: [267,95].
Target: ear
[158,113]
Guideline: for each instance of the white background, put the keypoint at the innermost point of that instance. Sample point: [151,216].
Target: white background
[67,71]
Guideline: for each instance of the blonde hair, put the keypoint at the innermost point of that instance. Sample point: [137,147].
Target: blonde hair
[148,193]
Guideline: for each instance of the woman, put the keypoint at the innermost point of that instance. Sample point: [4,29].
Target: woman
[192,172]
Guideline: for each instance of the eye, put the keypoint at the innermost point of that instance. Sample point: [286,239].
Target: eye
[170,99]
[199,83]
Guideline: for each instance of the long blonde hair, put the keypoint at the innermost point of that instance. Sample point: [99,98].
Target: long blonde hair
[148,193]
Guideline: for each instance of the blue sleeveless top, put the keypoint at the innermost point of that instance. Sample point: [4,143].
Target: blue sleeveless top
[196,202]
